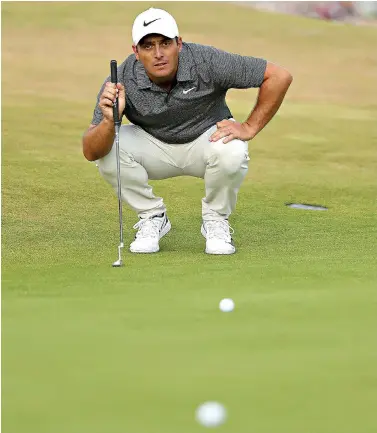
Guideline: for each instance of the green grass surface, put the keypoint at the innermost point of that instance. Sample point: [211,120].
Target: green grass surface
[88,348]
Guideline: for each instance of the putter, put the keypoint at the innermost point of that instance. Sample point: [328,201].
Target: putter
[114,79]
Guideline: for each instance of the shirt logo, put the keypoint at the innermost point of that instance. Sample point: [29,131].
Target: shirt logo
[188,90]
[150,22]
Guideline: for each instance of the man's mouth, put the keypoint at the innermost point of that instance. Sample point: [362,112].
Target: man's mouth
[159,64]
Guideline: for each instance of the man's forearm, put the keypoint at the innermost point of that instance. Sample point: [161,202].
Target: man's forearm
[270,97]
[98,140]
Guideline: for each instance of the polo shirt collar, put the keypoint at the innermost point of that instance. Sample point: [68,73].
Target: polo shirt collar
[184,66]
[143,80]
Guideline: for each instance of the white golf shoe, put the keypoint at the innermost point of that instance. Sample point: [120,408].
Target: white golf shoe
[218,236]
[150,231]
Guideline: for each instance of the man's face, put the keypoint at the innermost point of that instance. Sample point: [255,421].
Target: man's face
[159,56]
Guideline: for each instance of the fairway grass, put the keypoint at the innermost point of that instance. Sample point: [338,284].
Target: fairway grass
[87,348]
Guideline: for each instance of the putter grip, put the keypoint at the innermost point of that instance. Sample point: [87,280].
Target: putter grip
[114,79]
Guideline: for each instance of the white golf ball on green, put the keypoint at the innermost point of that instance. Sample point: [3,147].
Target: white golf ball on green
[211,414]
[226,305]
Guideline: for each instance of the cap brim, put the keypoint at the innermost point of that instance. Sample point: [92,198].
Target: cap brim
[155,32]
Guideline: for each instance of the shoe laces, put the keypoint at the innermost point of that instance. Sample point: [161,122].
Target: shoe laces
[219,230]
[148,228]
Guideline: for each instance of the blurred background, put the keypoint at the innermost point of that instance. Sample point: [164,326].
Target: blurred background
[358,12]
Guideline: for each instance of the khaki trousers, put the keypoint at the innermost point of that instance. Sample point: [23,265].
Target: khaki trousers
[144,157]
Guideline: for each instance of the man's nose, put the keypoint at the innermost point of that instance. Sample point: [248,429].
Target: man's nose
[157,52]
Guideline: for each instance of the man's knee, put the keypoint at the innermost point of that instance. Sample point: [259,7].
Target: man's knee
[108,164]
[231,157]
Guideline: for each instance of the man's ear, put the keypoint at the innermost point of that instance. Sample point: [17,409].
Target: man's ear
[179,43]
[134,48]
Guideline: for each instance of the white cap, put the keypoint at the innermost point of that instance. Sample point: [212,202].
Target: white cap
[154,21]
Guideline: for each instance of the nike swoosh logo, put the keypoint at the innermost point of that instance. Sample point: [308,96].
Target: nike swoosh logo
[150,22]
[189,90]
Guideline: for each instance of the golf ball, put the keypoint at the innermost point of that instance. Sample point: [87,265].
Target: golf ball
[211,414]
[226,305]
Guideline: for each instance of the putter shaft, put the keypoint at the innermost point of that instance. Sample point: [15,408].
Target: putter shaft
[117,123]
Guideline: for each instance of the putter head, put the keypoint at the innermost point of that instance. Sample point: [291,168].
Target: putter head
[119,262]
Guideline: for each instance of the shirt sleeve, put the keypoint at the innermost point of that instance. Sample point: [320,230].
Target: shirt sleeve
[233,71]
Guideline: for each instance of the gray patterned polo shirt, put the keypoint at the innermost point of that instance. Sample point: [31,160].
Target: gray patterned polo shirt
[196,102]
